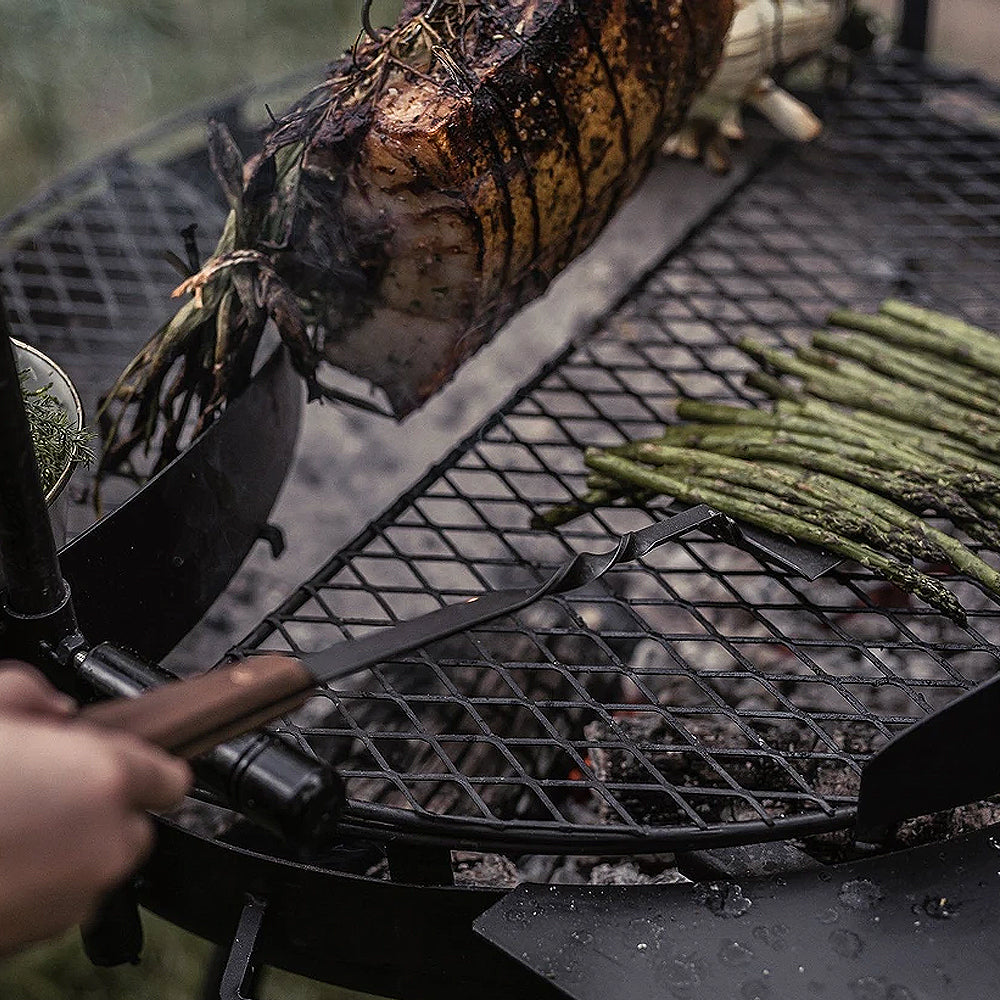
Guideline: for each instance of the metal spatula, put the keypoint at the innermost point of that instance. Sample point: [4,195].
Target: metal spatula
[189,717]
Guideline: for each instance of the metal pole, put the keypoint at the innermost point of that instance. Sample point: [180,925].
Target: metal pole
[915,24]
[27,549]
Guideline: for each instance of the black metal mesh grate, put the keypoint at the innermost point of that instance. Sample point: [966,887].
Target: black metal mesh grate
[699,696]
[88,285]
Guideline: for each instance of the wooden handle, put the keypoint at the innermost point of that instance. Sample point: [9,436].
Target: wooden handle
[190,716]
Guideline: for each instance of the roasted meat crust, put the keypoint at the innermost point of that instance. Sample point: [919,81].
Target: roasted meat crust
[437,180]
[436,204]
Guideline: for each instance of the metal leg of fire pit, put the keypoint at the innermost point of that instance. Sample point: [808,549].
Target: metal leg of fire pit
[234,975]
[915,25]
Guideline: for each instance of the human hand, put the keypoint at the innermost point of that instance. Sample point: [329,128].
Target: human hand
[25,691]
[73,803]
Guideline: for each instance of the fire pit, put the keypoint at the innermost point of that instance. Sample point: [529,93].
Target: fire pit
[699,700]
[701,697]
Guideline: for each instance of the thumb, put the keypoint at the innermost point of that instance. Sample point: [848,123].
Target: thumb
[24,691]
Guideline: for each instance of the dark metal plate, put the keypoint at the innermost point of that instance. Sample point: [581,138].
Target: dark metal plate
[143,576]
[910,926]
[948,759]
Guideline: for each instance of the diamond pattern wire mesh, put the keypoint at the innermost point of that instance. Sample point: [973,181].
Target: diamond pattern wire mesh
[84,277]
[700,696]
[85,286]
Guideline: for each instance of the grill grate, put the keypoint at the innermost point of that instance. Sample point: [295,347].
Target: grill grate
[700,696]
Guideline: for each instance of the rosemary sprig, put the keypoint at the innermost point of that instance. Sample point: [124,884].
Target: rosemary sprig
[57,443]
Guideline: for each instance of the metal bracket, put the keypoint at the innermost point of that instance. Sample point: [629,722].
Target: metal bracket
[915,25]
[113,935]
[241,972]
[144,589]
[274,537]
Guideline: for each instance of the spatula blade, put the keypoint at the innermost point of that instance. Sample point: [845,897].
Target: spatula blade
[949,759]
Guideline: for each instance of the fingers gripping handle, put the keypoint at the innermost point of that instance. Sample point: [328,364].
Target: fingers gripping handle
[188,717]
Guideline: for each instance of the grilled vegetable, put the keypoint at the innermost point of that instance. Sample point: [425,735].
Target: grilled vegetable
[765,35]
[437,180]
[884,426]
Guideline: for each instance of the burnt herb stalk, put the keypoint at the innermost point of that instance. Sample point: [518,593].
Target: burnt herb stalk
[906,577]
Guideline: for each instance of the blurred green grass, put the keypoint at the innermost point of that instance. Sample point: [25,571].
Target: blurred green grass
[173,967]
[78,77]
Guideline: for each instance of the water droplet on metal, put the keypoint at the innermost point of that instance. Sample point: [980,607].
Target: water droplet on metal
[724,899]
[860,894]
[755,990]
[684,973]
[846,943]
[868,988]
[735,953]
[876,988]
[572,973]
[938,907]
[772,935]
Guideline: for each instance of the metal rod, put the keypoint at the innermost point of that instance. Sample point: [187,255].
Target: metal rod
[27,549]
[915,25]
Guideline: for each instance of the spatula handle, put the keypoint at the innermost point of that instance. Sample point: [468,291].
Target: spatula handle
[190,716]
